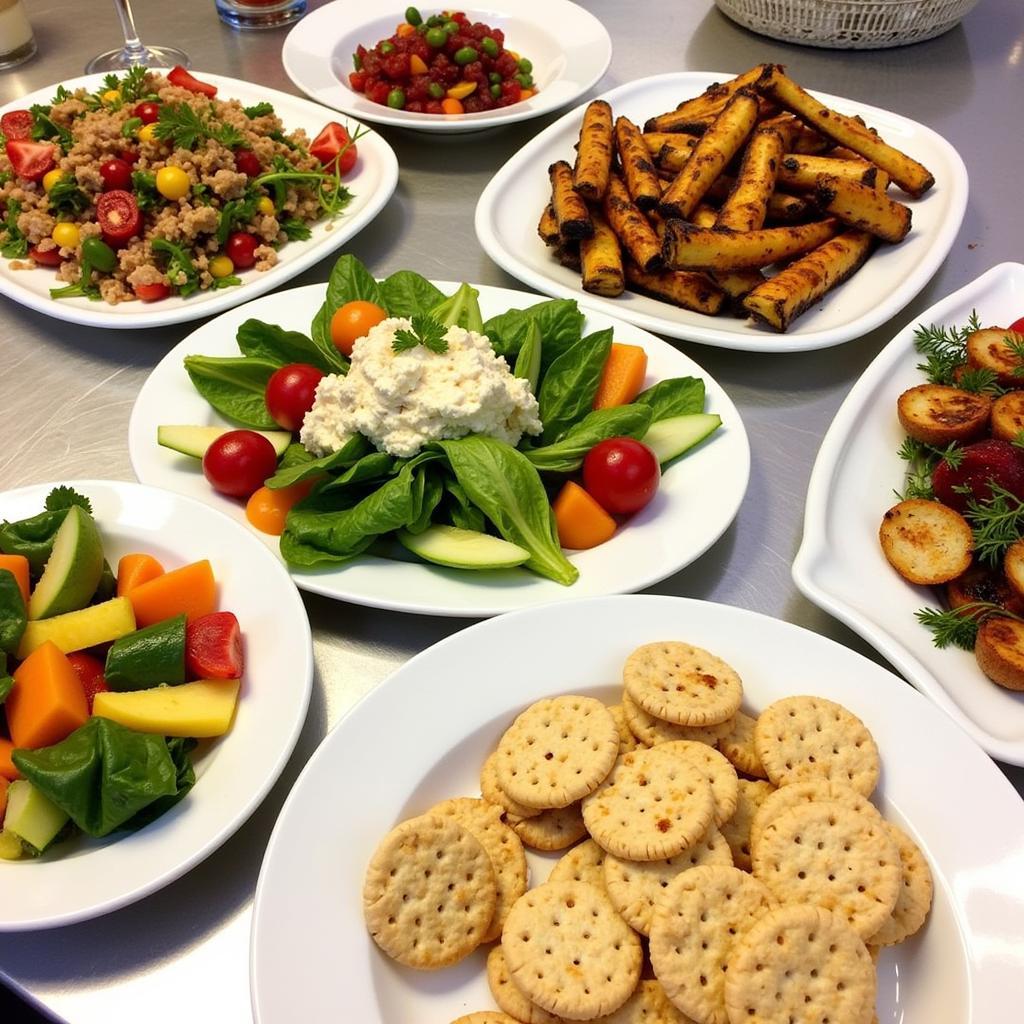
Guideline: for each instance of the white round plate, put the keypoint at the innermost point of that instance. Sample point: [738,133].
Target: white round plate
[840,565]
[371,183]
[698,497]
[444,711]
[84,878]
[570,50]
[511,204]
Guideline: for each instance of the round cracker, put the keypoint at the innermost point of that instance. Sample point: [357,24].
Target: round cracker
[627,741]
[829,856]
[509,996]
[557,751]
[720,774]
[653,805]
[750,796]
[550,830]
[430,893]
[915,898]
[680,683]
[486,1017]
[800,964]
[569,951]
[738,748]
[583,863]
[647,1005]
[807,737]
[491,791]
[651,731]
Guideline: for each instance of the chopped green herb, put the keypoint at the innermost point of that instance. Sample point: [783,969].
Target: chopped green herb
[295,230]
[921,461]
[144,186]
[996,523]
[67,197]
[236,212]
[45,128]
[959,626]
[426,331]
[279,136]
[61,95]
[258,110]
[133,86]
[945,349]
[15,247]
[66,497]
[179,265]
[182,125]
[225,282]
[130,127]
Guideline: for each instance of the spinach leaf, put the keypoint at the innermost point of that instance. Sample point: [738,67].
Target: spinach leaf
[352,451]
[6,679]
[185,778]
[374,466]
[461,308]
[349,280]
[32,537]
[567,455]
[300,555]
[461,510]
[675,396]
[295,455]
[506,487]
[107,586]
[527,364]
[276,345]
[567,389]
[432,491]
[102,774]
[406,292]
[559,320]
[234,386]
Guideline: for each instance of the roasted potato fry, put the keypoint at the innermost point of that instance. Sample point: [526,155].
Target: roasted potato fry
[780,300]
[926,542]
[914,178]
[997,349]
[1008,416]
[861,206]
[594,151]
[937,414]
[735,283]
[548,226]
[637,170]
[572,213]
[691,248]
[801,173]
[634,232]
[746,206]
[709,157]
[705,108]
[601,260]
[689,291]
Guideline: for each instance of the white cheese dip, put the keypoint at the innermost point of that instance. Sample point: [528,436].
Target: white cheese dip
[401,401]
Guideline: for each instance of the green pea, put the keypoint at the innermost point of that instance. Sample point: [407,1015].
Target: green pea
[496,91]
[494,77]
[466,55]
[387,47]
[526,66]
[436,90]
[435,21]
[489,46]
[436,37]
[396,98]
[413,16]
[357,61]
[526,81]
[451,27]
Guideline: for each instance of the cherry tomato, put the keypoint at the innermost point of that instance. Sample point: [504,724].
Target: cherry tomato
[248,162]
[90,675]
[290,394]
[147,112]
[329,143]
[980,465]
[238,462]
[130,156]
[352,321]
[31,160]
[1018,326]
[118,216]
[46,257]
[152,292]
[241,249]
[116,173]
[213,647]
[268,509]
[17,124]
[621,475]
[180,77]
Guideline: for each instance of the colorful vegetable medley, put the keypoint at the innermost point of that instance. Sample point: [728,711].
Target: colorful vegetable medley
[444,65]
[152,186]
[588,450]
[106,680]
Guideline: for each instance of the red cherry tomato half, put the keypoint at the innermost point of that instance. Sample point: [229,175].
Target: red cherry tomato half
[621,475]
[1018,326]
[46,257]
[248,162]
[213,647]
[17,124]
[118,216]
[329,143]
[241,248]
[31,160]
[290,394]
[152,292]
[116,173]
[90,674]
[238,462]
[180,77]
[130,156]
[147,112]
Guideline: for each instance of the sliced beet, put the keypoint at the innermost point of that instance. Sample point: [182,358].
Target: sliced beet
[981,465]
[213,647]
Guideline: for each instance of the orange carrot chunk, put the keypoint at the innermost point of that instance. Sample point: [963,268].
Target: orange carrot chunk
[190,589]
[3,796]
[17,565]
[7,769]
[135,569]
[622,377]
[581,522]
[47,702]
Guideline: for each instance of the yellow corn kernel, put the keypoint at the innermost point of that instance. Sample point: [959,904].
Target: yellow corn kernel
[221,266]
[461,90]
[266,206]
[66,235]
[50,178]
[417,65]
[111,96]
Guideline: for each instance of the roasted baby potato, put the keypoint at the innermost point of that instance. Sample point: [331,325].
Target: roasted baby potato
[601,260]
[594,151]
[994,348]
[637,170]
[689,291]
[1008,415]
[984,585]
[863,207]
[926,542]
[571,211]
[634,232]
[691,248]
[938,415]
[1000,651]
[1013,568]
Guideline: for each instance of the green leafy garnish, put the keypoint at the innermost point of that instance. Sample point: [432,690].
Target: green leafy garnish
[130,127]
[61,95]
[66,497]
[180,269]
[258,110]
[921,461]
[996,523]
[67,197]
[182,125]
[295,230]
[945,349]
[225,282]
[144,187]
[236,212]
[45,128]
[15,247]
[133,86]
[959,626]
[426,331]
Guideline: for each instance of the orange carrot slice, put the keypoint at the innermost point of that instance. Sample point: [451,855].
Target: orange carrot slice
[17,565]
[7,769]
[47,702]
[622,377]
[190,589]
[581,522]
[135,569]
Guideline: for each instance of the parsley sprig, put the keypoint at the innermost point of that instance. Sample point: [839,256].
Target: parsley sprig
[426,331]
[65,497]
[15,244]
[182,125]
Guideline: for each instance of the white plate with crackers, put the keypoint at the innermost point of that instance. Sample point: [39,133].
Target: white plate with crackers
[840,565]
[376,799]
[511,204]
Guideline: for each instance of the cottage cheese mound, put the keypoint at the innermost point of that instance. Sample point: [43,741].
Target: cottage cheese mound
[401,401]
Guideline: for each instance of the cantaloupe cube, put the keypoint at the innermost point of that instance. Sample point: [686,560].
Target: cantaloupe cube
[74,631]
[202,708]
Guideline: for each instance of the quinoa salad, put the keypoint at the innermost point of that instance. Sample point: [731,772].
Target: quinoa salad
[155,186]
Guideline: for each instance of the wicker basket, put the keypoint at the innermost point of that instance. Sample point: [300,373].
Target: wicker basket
[848,24]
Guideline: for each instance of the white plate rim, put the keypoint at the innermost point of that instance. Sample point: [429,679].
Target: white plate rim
[99,314]
[794,340]
[341,97]
[293,613]
[814,548]
[487,601]
[984,927]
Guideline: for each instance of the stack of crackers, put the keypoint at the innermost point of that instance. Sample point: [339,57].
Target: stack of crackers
[754,882]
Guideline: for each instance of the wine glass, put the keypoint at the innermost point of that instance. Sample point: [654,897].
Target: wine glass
[133,53]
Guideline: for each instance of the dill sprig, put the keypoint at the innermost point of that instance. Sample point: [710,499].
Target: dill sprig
[959,626]
[921,459]
[996,522]
[945,349]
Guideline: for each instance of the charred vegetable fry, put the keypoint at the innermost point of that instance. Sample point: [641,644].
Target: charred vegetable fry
[572,213]
[601,260]
[673,153]
[689,291]
[594,155]
[691,248]
[637,170]
[703,109]
[802,172]
[783,209]
[548,226]
[635,233]
[735,283]
[863,207]
[746,206]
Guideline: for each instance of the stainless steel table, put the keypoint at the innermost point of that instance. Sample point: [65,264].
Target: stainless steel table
[65,395]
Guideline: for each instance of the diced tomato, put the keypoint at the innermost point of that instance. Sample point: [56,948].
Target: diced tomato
[332,140]
[17,124]
[1018,326]
[180,77]
[90,674]
[152,292]
[213,647]
[357,80]
[118,215]
[31,160]
[378,92]
[46,257]
[248,163]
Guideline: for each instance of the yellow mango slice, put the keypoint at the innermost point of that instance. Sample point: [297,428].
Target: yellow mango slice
[74,631]
[202,708]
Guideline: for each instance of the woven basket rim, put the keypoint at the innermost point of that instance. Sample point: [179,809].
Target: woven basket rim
[862,3]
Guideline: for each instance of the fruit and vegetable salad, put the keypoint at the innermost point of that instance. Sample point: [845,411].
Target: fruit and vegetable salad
[443,64]
[406,425]
[154,186]
[108,678]
[959,524]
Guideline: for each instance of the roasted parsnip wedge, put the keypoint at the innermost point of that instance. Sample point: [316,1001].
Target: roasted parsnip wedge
[637,169]
[862,206]
[594,152]
[705,107]
[629,224]
[938,415]
[784,209]
[746,206]
[571,211]
[801,173]
[926,542]
[735,283]
[996,349]
[1000,651]
[681,288]
[548,226]
[601,260]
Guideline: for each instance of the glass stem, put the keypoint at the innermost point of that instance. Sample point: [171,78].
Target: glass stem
[134,51]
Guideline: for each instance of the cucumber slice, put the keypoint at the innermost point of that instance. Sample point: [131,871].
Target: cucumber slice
[463,549]
[73,569]
[148,657]
[32,816]
[669,438]
[195,440]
